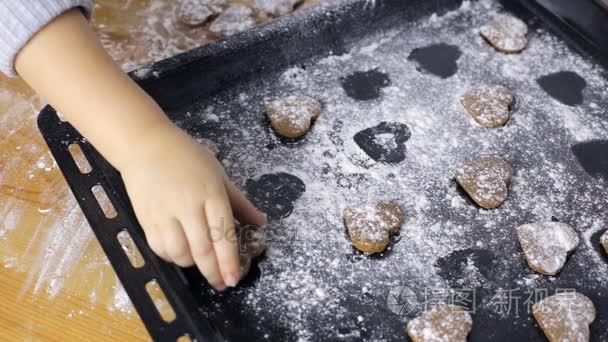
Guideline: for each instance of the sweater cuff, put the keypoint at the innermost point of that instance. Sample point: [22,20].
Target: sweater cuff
[21,20]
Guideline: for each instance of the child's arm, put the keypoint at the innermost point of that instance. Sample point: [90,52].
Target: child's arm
[179,191]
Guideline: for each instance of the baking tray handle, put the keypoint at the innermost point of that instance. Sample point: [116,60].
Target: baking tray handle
[187,323]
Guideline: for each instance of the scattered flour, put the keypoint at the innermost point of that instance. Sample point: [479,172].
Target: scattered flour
[309,252]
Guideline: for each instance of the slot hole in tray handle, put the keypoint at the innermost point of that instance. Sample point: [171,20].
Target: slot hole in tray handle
[161,303]
[61,117]
[104,201]
[79,158]
[130,249]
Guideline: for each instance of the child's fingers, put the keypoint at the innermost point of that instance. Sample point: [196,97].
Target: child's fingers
[176,244]
[155,240]
[243,209]
[201,247]
[221,223]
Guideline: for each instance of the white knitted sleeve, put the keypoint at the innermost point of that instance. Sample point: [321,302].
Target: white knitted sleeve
[20,20]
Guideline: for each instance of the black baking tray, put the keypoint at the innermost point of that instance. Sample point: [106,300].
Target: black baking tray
[183,80]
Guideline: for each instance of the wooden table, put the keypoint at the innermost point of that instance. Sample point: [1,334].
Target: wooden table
[55,282]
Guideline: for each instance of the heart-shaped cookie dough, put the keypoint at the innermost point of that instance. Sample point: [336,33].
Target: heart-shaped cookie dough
[275,8]
[197,12]
[565,316]
[370,227]
[442,323]
[292,116]
[506,34]
[604,241]
[546,245]
[489,105]
[486,180]
[252,244]
[236,18]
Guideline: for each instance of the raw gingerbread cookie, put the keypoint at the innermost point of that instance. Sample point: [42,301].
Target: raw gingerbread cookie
[546,245]
[252,244]
[506,34]
[235,18]
[489,106]
[565,316]
[197,12]
[276,8]
[370,227]
[486,180]
[443,323]
[604,241]
[292,116]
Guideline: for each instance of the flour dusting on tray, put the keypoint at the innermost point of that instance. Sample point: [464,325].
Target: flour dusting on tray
[312,282]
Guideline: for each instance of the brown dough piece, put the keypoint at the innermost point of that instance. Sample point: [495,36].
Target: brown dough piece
[197,12]
[565,316]
[252,244]
[489,106]
[546,245]
[234,19]
[275,8]
[370,227]
[486,180]
[292,116]
[443,323]
[506,34]
[604,241]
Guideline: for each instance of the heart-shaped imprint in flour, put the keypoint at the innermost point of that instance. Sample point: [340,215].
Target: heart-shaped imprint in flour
[604,241]
[252,244]
[486,180]
[197,12]
[587,153]
[466,267]
[546,245]
[292,116]
[371,226]
[437,59]
[489,106]
[506,34]
[565,316]
[365,85]
[565,86]
[443,323]
[275,194]
[385,142]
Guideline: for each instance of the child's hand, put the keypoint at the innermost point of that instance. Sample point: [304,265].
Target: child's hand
[180,193]
[183,200]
